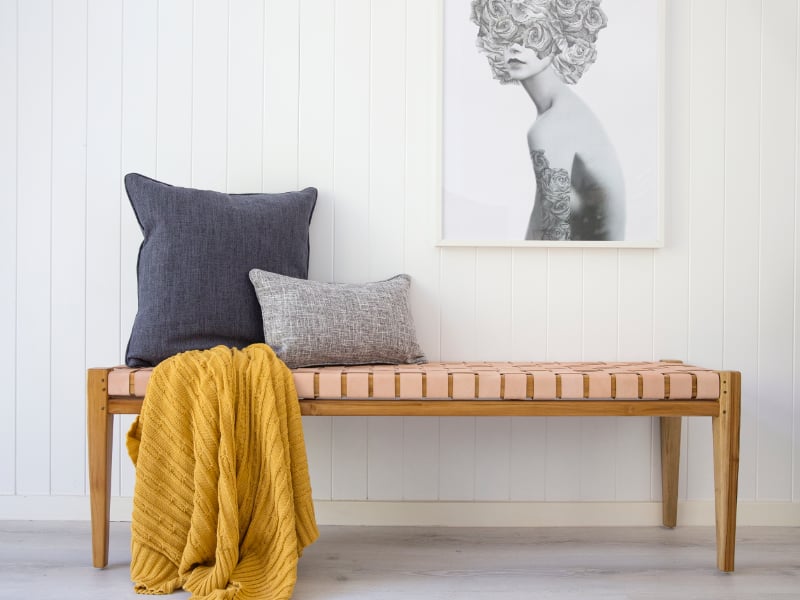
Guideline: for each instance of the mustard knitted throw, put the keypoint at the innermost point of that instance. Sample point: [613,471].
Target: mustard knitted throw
[222,504]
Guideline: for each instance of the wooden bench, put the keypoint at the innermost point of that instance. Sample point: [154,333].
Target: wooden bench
[667,389]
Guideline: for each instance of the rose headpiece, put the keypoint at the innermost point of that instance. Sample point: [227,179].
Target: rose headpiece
[563,29]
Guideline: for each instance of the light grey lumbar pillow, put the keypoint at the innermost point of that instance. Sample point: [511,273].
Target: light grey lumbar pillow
[310,323]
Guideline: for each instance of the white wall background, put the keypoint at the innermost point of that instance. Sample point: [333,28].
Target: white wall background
[269,95]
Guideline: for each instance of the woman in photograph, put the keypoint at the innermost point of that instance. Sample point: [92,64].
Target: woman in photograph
[546,45]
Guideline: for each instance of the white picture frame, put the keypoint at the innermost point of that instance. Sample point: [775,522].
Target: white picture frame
[487,182]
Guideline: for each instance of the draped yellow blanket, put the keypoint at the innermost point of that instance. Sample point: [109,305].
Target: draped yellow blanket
[222,504]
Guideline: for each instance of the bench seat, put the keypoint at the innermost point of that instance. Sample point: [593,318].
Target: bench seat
[483,381]
[666,389]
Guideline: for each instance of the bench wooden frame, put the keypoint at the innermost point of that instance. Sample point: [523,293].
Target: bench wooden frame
[724,412]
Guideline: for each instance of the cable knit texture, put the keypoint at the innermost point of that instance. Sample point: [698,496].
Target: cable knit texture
[222,505]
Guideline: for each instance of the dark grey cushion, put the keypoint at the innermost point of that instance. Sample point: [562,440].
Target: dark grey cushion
[310,323]
[194,290]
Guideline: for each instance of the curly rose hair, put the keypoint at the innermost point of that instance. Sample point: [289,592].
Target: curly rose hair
[563,29]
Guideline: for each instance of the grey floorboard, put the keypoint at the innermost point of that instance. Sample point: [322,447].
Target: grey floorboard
[44,560]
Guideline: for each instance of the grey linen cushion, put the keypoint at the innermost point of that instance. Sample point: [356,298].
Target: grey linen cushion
[310,323]
[198,247]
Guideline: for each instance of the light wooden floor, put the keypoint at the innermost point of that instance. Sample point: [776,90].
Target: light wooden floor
[44,560]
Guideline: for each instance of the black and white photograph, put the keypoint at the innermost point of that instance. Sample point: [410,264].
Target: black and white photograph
[551,122]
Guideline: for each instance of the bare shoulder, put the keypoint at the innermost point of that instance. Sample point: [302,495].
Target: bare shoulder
[545,132]
[547,137]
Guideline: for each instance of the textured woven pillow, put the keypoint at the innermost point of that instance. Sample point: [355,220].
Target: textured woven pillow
[194,290]
[309,323]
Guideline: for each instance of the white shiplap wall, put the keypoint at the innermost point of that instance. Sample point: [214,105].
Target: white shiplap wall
[271,95]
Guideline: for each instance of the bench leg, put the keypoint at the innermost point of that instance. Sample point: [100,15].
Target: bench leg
[670,465]
[726,466]
[100,429]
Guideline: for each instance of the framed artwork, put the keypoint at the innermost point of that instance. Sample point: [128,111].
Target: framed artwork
[552,123]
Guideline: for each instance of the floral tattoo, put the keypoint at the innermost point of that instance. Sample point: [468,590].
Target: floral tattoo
[553,187]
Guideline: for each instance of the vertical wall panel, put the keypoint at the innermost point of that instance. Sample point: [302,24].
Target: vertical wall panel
[8,241]
[633,458]
[493,323]
[351,151]
[493,303]
[316,160]
[671,285]
[34,251]
[599,342]
[351,214]
[457,311]
[529,318]
[742,192]
[139,102]
[493,458]
[387,138]
[210,97]
[633,455]
[245,95]
[671,263]
[139,115]
[127,471]
[139,155]
[457,458]
[422,156]
[316,120]
[281,106]
[599,305]
[384,458]
[349,444]
[563,455]
[796,365]
[420,458]
[103,191]
[564,337]
[421,259]
[349,458]
[528,458]
[67,417]
[796,430]
[529,276]
[565,306]
[707,207]
[707,199]
[317,434]
[174,135]
[776,289]
[635,308]
[597,462]
[282,109]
